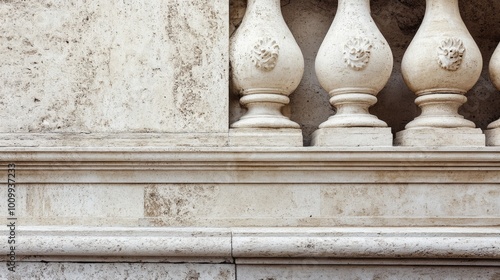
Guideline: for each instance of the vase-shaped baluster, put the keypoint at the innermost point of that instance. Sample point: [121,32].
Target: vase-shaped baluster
[266,67]
[493,132]
[353,64]
[441,64]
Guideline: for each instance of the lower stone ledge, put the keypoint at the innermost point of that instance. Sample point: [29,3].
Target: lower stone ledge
[224,245]
[113,140]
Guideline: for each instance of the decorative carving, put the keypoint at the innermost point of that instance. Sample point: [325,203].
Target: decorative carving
[450,54]
[265,54]
[357,53]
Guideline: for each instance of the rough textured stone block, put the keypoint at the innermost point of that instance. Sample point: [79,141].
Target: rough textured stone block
[29,270]
[319,272]
[113,66]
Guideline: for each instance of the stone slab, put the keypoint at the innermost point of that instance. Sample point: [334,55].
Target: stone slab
[352,137]
[113,139]
[80,204]
[346,272]
[449,137]
[65,270]
[261,137]
[492,137]
[295,204]
[114,67]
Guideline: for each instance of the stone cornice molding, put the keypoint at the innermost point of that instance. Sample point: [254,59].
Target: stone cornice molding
[254,165]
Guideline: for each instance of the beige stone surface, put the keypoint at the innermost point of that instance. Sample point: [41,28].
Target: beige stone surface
[413,201]
[113,139]
[444,137]
[492,137]
[256,186]
[111,66]
[77,204]
[229,205]
[253,245]
[318,272]
[352,137]
[63,270]
[261,137]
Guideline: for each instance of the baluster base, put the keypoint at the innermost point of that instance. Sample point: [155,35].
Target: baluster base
[493,136]
[264,110]
[440,110]
[352,110]
[435,136]
[265,137]
[352,137]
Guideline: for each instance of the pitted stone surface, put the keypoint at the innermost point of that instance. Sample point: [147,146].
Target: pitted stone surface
[30,270]
[113,66]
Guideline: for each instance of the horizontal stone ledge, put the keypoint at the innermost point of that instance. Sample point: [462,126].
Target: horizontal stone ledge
[70,140]
[149,165]
[255,156]
[349,243]
[412,243]
[119,242]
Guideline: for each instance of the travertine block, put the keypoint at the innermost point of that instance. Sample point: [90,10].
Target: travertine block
[265,137]
[229,205]
[352,137]
[78,204]
[449,137]
[114,66]
[30,270]
[318,272]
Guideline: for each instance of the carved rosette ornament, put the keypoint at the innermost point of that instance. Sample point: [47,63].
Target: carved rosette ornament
[265,54]
[450,54]
[266,65]
[353,42]
[357,53]
[440,71]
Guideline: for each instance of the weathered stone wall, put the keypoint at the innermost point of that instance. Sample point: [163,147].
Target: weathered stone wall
[113,66]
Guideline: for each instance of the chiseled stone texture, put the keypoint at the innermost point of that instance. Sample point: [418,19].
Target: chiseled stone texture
[114,66]
[318,272]
[37,270]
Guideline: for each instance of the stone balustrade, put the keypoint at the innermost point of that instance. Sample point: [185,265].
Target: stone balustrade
[345,141]
[441,65]
[99,84]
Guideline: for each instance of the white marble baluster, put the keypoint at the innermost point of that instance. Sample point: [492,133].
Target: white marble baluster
[441,64]
[267,66]
[493,132]
[353,64]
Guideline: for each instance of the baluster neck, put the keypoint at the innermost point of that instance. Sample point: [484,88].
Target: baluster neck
[353,7]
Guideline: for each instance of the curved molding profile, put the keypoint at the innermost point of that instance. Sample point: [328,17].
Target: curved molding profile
[231,244]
